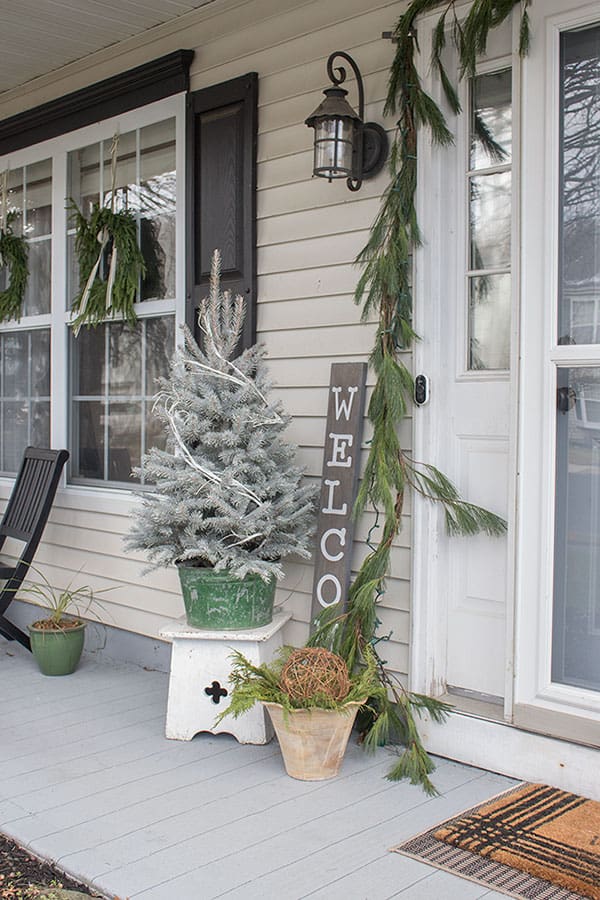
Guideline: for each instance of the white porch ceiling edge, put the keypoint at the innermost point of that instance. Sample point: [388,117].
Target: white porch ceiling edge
[40,36]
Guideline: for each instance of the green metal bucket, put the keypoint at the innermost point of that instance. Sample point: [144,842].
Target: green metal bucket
[217,601]
[57,652]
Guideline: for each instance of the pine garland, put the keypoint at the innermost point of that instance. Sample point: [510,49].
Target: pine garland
[13,258]
[101,294]
[110,260]
[385,287]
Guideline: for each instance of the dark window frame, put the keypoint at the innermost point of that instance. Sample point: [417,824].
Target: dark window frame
[112,96]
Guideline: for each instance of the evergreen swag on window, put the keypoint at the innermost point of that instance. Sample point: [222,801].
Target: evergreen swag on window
[110,261]
[13,261]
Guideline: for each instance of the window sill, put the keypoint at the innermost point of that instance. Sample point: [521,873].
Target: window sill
[93,499]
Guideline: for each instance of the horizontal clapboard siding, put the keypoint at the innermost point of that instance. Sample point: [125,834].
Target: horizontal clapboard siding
[309,234]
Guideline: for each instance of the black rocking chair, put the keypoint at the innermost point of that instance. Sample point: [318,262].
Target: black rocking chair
[24,519]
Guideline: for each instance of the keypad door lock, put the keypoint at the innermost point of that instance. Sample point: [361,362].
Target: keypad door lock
[421,390]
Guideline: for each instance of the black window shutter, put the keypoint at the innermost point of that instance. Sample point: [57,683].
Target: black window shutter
[221,173]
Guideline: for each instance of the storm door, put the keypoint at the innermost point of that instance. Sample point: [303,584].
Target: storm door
[558,602]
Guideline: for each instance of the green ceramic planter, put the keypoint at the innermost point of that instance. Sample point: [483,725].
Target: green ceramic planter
[57,652]
[217,601]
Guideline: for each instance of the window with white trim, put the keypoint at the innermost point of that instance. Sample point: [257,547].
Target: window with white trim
[114,367]
[104,378]
[25,349]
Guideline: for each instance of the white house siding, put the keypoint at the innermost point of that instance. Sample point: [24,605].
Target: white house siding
[309,233]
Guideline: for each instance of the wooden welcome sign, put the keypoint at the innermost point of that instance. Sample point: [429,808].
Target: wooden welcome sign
[341,464]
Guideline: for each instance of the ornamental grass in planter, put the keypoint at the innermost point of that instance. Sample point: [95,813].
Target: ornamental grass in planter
[57,639]
[229,502]
[312,700]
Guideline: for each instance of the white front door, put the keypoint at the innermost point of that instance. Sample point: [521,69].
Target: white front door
[466,314]
[557,687]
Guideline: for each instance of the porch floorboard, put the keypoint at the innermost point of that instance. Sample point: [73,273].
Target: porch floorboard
[88,780]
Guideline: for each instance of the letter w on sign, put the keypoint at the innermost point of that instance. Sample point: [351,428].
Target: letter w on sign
[341,463]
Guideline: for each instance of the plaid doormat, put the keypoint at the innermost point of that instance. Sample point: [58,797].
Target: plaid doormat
[507,843]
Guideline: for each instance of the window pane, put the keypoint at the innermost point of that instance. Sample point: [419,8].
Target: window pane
[489,322]
[15,433]
[40,358]
[40,424]
[84,191]
[125,359]
[89,377]
[16,363]
[24,394]
[579,292]
[72,271]
[15,199]
[490,220]
[37,292]
[126,173]
[576,621]
[491,119]
[160,344]
[38,205]
[125,440]
[156,435]
[88,447]
[84,177]
[157,208]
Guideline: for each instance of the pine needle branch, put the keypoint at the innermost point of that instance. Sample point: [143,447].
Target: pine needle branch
[384,287]
[13,258]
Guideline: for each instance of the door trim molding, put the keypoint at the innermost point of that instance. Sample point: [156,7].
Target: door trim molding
[571,727]
[515,752]
[540,359]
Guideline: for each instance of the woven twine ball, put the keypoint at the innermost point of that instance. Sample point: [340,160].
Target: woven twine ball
[314,670]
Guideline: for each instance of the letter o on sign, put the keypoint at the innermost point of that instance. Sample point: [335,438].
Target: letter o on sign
[338,590]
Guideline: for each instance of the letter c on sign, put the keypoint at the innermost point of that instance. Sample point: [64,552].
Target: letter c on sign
[338,591]
[341,533]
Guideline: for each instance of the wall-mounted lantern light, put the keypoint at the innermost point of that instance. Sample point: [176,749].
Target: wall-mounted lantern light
[345,145]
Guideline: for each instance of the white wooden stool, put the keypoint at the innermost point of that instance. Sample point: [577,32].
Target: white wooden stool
[199,680]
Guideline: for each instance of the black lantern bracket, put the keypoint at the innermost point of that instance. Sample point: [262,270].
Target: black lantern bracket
[369,139]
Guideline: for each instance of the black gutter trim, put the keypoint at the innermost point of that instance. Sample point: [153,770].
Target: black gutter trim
[136,87]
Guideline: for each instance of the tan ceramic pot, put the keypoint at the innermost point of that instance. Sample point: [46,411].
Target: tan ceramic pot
[313,741]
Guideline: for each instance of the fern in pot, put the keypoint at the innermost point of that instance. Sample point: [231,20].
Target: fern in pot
[229,502]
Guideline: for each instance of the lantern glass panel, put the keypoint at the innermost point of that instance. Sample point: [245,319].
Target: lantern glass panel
[333,148]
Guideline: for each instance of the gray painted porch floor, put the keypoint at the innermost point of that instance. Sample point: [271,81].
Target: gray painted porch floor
[88,780]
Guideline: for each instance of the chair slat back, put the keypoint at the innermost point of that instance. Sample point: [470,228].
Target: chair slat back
[33,493]
[25,518]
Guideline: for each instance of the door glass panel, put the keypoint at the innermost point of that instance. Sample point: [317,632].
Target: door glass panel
[491,119]
[489,322]
[576,621]
[489,191]
[490,220]
[579,190]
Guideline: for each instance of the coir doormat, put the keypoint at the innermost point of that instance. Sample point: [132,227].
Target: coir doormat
[533,842]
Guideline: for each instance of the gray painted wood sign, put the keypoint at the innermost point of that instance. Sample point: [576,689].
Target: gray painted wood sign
[341,463]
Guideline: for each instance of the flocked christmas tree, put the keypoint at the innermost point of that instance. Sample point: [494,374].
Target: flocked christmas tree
[228,493]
